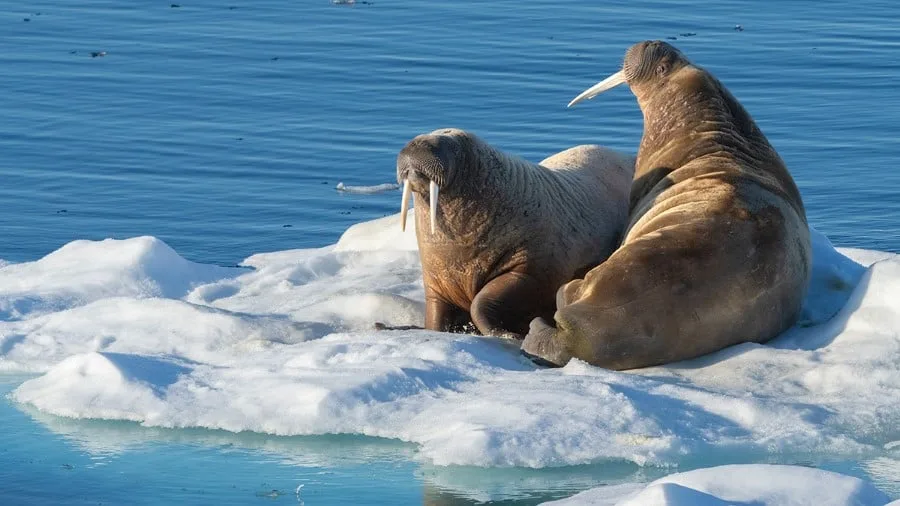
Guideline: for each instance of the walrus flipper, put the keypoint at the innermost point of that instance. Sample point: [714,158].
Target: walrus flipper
[443,316]
[542,346]
[504,306]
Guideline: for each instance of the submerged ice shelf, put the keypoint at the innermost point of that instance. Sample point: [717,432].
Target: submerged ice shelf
[129,330]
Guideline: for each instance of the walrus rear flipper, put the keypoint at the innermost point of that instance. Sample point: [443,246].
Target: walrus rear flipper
[542,347]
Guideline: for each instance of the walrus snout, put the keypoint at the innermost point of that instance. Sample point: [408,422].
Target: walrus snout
[427,161]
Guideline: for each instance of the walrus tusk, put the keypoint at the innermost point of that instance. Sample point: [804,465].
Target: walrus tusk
[404,204]
[606,84]
[433,192]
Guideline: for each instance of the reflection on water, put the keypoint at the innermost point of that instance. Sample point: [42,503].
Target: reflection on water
[123,461]
[113,460]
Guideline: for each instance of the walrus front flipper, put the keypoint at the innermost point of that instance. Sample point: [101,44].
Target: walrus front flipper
[506,304]
[443,316]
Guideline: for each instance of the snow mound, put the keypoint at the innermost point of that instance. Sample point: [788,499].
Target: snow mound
[129,330]
[85,271]
[748,484]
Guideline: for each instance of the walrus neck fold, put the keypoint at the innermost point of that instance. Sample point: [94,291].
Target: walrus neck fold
[691,100]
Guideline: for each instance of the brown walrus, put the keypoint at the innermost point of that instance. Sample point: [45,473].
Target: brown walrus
[717,250]
[503,234]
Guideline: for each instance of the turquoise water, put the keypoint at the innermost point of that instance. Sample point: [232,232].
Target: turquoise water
[223,128]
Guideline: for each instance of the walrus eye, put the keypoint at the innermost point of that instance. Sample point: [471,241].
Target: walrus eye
[662,69]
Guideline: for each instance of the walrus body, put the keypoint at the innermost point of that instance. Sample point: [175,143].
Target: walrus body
[504,234]
[717,249]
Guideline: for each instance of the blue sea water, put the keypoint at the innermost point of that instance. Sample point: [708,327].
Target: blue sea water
[223,128]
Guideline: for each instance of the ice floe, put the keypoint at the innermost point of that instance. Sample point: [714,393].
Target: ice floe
[748,484]
[284,345]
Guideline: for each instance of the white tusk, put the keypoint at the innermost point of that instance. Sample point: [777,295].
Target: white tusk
[606,84]
[433,192]
[404,204]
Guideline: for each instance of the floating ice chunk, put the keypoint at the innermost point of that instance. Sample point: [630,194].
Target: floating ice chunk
[378,188]
[286,348]
[749,484]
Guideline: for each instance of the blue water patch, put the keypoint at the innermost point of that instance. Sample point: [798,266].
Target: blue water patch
[224,128]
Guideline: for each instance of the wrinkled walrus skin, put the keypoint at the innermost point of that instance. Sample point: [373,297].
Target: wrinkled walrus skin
[717,250]
[507,232]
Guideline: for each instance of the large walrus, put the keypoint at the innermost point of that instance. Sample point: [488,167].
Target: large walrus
[498,235]
[717,250]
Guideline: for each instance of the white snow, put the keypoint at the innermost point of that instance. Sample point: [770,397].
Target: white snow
[748,484]
[130,330]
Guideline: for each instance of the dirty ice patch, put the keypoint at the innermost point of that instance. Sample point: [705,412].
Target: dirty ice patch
[285,346]
[749,484]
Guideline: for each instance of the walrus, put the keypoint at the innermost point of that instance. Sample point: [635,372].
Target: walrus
[717,249]
[498,235]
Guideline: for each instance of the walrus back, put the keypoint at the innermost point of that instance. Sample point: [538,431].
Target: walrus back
[579,194]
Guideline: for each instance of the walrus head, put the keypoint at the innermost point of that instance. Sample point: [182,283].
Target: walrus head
[647,65]
[426,165]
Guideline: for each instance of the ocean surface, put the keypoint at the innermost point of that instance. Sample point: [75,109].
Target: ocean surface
[223,129]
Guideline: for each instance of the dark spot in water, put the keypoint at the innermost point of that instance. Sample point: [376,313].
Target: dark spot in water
[687,34]
[73,52]
[274,58]
[97,54]
[62,211]
[345,212]
[672,38]
[324,182]
[232,7]
[286,226]
[68,467]
[738,28]
[174,6]
[239,138]
[26,19]
[272,494]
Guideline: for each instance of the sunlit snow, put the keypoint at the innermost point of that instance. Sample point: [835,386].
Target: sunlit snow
[127,329]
